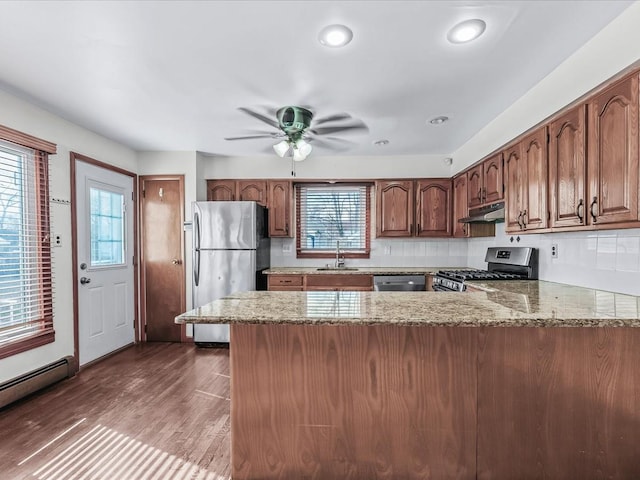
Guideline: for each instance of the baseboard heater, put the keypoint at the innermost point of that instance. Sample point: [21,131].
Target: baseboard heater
[33,381]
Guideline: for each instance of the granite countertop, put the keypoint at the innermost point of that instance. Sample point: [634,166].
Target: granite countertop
[517,303]
[357,270]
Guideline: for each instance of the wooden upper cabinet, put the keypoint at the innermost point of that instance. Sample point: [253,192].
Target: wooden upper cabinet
[493,185]
[613,154]
[460,205]
[484,182]
[255,190]
[567,169]
[221,190]
[433,208]
[515,173]
[394,208]
[534,153]
[474,186]
[526,170]
[280,201]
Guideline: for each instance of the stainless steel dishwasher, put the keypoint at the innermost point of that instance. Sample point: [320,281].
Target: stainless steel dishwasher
[399,283]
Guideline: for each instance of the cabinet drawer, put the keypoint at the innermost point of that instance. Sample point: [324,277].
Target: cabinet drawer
[285,281]
[339,281]
[284,288]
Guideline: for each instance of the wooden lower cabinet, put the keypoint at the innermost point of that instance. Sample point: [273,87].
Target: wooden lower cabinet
[285,282]
[321,282]
[353,402]
[558,403]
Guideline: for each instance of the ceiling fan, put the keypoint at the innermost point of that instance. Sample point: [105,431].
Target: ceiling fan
[297,129]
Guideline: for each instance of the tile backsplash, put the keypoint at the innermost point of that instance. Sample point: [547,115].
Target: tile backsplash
[606,260]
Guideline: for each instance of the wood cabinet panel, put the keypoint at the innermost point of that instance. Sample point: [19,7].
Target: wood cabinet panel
[526,170]
[535,158]
[353,402]
[221,190]
[433,208]
[474,186]
[394,208]
[493,185]
[567,169]
[255,190]
[280,208]
[277,282]
[613,154]
[558,403]
[460,205]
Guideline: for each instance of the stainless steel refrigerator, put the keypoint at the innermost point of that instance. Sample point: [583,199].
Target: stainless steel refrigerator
[230,250]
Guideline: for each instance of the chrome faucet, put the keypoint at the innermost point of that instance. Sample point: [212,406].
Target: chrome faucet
[339,256]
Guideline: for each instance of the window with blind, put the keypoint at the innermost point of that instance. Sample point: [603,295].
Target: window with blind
[26,311]
[328,214]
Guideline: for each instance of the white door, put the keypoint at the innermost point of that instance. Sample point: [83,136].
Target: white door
[105,260]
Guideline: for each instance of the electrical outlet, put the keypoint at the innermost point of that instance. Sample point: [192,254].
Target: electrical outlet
[387,249]
[286,248]
[554,250]
[57,240]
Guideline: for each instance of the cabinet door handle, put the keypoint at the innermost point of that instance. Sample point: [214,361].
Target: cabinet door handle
[480,194]
[411,229]
[464,229]
[418,230]
[594,216]
[580,217]
[286,228]
[484,194]
[519,217]
[524,220]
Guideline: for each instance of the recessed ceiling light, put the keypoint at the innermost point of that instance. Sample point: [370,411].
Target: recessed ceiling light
[466,31]
[335,36]
[381,143]
[438,120]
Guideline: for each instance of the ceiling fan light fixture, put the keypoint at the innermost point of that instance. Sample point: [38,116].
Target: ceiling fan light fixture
[281,148]
[298,156]
[303,147]
[335,36]
[466,31]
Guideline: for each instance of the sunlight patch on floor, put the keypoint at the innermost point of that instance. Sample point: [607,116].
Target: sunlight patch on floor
[105,454]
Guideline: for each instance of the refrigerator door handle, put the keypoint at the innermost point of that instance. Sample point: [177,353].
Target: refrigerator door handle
[196,249]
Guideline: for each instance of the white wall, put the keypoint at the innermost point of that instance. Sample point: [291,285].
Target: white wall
[20,115]
[272,166]
[609,52]
[606,260]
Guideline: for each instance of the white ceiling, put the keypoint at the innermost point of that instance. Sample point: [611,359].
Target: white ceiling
[171,75]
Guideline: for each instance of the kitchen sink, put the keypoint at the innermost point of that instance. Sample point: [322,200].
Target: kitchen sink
[335,269]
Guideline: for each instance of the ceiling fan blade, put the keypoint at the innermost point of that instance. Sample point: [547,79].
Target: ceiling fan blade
[329,130]
[247,137]
[333,118]
[259,116]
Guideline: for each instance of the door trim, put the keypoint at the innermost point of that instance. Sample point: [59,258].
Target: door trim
[143,286]
[74,158]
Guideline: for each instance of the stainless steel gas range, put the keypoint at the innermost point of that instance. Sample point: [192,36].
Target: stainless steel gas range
[503,263]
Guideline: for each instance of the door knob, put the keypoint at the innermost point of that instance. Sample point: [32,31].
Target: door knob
[176,261]
[85,280]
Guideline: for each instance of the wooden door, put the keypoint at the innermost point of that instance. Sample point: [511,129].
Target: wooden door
[474,186]
[163,273]
[567,169]
[613,154]
[433,208]
[280,199]
[221,190]
[395,204]
[460,207]
[255,190]
[534,151]
[493,186]
[515,172]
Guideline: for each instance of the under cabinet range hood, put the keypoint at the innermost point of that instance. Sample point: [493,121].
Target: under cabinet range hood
[488,214]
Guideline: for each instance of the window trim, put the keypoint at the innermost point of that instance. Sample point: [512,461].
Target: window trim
[42,149]
[347,254]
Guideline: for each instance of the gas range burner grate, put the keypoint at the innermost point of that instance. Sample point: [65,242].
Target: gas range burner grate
[462,275]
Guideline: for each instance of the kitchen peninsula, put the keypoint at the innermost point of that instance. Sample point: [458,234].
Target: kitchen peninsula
[491,384]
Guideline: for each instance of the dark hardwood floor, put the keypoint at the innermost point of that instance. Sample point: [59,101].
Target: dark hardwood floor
[153,411]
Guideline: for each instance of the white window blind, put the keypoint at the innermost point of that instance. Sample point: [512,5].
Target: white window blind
[25,256]
[327,214]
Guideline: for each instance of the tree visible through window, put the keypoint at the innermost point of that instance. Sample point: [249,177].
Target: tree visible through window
[327,214]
